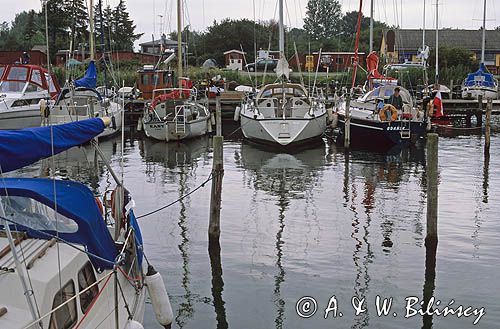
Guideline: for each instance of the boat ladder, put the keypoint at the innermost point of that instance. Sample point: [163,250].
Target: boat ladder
[180,120]
[405,128]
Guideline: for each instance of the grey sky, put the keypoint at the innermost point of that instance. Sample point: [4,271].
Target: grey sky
[201,13]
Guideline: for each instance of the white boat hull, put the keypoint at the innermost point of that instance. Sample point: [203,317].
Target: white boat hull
[166,131]
[20,117]
[283,131]
[475,92]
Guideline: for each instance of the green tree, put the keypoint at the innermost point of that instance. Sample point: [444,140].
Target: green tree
[322,18]
[78,20]
[30,29]
[123,28]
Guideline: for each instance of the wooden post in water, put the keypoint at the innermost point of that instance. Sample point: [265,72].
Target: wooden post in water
[218,117]
[451,89]
[217,174]
[487,136]
[347,122]
[432,188]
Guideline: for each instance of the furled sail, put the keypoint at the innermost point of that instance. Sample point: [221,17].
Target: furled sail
[89,80]
[19,148]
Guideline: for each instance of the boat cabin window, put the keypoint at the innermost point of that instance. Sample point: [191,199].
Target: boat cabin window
[2,69]
[52,86]
[12,86]
[145,79]
[66,316]
[36,215]
[36,77]
[18,73]
[86,278]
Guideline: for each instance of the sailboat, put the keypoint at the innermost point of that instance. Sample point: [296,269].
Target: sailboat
[370,122]
[23,88]
[175,113]
[283,113]
[68,260]
[481,83]
[81,100]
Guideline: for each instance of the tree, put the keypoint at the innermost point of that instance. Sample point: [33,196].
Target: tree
[123,28]
[322,18]
[77,20]
[30,29]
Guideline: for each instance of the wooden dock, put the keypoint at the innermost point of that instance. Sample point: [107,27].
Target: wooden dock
[465,106]
[229,100]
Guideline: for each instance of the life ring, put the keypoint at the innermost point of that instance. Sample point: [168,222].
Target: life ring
[383,113]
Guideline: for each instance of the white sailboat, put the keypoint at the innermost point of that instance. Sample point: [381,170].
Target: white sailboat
[80,99]
[481,83]
[175,113]
[68,260]
[283,113]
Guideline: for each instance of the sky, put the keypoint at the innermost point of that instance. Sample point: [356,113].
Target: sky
[154,16]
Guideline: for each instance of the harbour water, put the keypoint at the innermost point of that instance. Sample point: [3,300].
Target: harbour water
[318,222]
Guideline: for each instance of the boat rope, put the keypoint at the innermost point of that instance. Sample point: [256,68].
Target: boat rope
[124,300]
[94,301]
[52,236]
[107,276]
[210,177]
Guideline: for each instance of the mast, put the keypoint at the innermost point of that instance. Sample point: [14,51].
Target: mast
[437,41]
[47,41]
[483,45]
[356,45]
[103,46]
[282,30]
[371,26]
[91,25]
[179,42]
[423,31]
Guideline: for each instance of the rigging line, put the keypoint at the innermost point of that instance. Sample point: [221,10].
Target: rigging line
[124,300]
[52,236]
[178,200]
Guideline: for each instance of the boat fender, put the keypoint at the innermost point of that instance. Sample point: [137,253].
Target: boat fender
[383,113]
[159,297]
[113,122]
[132,324]
[139,124]
[237,111]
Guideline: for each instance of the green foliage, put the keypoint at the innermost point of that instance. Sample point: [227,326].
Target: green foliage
[322,18]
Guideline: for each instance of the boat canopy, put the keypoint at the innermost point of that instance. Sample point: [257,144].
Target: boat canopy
[17,78]
[276,90]
[385,92]
[89,80]
[30,202]
[19,148]
[481,78]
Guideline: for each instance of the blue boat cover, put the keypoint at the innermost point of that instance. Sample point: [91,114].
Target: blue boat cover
[89,80]
[481,78]
[74,201]
[19,148]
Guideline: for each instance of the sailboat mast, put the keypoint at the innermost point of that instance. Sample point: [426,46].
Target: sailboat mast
[356,45]
[179,42]
[282,30]
[91,25]
[371,26]
[483,45]
[423,30]
[437,41]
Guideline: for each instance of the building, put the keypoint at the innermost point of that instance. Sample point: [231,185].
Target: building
[36,57]
[336,61]
[156,46]
[234,59]
[399,46]
[62,57]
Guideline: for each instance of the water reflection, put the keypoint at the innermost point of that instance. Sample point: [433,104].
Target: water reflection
[287,176]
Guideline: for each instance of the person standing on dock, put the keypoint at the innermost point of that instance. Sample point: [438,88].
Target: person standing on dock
[396,100]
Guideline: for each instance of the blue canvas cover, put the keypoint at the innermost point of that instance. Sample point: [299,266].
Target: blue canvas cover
[75,201]
[89,80]
[480,78]
[19,148]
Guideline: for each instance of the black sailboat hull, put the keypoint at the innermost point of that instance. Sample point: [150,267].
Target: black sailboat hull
[380,134]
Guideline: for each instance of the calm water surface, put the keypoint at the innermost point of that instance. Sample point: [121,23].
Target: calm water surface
[317,222]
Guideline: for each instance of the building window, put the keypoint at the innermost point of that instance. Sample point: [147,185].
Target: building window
[66,316]
[156,80]
[339,60]
[352,60]
[145,80]
[86,278]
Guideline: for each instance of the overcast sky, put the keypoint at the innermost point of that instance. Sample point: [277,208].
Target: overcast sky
[201,13]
